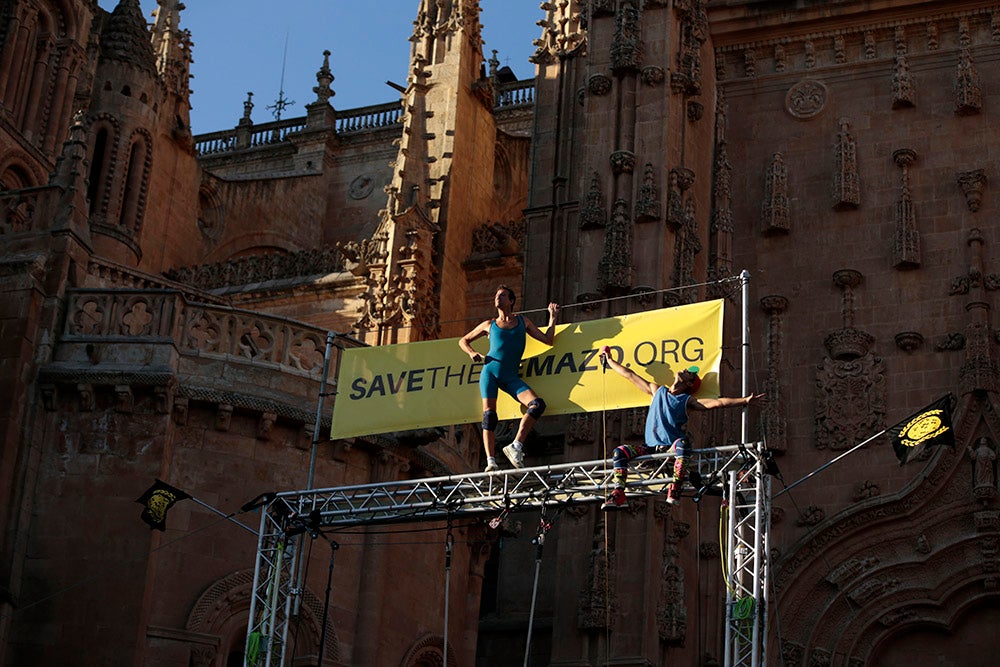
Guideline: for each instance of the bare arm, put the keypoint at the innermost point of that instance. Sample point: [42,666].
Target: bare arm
[627,373]
[465,342]
[724,402]
[549,335]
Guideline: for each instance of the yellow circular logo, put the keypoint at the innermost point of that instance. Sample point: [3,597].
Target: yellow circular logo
[922,427]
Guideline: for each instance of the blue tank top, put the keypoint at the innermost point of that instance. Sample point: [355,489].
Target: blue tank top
[666,418]
[507,345]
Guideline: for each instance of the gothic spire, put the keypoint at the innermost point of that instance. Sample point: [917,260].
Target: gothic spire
[125,37]
[172,47]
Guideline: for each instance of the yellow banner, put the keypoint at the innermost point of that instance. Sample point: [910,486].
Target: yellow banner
[434,383]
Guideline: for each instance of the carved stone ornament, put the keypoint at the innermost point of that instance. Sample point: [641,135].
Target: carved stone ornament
[695,111]
[903,89]
[647,205]
[593,215]
[908,341]
[846,183]
[361,186]
[614,270]
[774,209]
[806,99]
[652,75]
[599,85]
[851,400]
[622,162]
[973,183]
[906,239]
[626,46]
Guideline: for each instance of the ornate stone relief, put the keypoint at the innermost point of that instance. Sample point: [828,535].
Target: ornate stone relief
[614,270]
[810,54]
[906,238]
[806,99]
[908,341]
[671,613]
[851,570]
[903,91]
[686,78]
[599,85]
[811,516]
[968,90]
[820,657]
[839,50]
[593,215]
[680,179]
[652,75]
[626,47]
[984,469]
[846,183]
[647,205]
[750,64]
[582,428]
[780,58]
[598,603]
[933,38]
[721,228]
[687,244]
[774,210]
[263,268]
[505,238]
[622,162]
[867,489]
[851,383]
[720,259]
[973,183]
[774,410]
[563,31]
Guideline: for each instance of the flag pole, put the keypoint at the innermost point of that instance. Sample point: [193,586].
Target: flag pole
[828,464]
[227,517]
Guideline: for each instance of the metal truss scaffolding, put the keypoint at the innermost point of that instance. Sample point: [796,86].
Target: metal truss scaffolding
[291,514]
[747,553]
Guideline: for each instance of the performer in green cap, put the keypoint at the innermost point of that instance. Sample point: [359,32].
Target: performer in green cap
[665,425]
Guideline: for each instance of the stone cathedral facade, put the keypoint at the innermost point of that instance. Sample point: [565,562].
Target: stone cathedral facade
[166,300]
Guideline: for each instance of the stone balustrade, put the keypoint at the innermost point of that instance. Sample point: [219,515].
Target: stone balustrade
[518,94]
[135,317]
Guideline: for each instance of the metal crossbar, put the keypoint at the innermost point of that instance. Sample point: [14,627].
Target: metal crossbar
[293,513]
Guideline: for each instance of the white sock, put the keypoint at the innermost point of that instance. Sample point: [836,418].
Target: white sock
[517,445]
[491,459]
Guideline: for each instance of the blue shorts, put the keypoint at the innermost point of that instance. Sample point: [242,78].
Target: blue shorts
[491,380]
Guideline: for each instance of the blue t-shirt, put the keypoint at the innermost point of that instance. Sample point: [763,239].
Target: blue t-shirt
[666,418]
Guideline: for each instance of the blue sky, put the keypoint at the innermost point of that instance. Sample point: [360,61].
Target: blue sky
[238,46]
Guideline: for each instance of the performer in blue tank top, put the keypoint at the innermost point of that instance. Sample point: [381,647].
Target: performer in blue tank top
[500,371]
[665,425]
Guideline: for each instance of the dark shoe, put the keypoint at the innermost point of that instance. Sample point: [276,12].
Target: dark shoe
[616,501]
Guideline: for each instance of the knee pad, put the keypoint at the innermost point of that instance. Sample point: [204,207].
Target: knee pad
[619,457]
[681,446]
[490,420]
[536,408]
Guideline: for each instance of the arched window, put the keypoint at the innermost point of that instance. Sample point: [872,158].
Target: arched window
[98,169]
[133,195]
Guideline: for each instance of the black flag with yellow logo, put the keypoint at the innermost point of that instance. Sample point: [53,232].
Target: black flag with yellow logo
[156,501]
[925,428]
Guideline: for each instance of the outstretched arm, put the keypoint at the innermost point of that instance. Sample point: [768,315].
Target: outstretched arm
[723,402]
[549,335]
[465,342]
[627,373]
